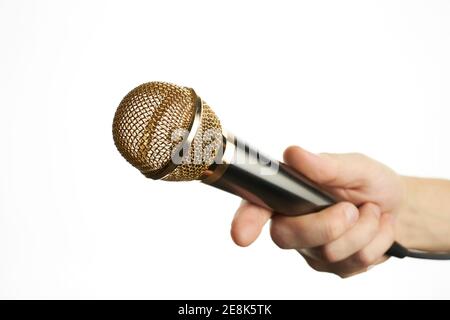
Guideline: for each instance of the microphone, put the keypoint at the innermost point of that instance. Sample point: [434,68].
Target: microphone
[169,133]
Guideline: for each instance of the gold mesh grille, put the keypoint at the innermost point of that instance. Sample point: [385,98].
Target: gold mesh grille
[202,151]
[144,123]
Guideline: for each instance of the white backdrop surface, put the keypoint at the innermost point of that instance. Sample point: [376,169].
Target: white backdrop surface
[76,221]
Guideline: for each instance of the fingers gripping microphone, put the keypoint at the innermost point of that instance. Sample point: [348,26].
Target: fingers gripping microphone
[169,133]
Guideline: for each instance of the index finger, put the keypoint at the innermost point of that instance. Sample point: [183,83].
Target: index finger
[248,223]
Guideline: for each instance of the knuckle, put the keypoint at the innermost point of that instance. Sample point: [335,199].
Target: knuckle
[374,211]
[280,234]
[316,265]
[364,258]
[329,254]
[346,275]
[372,207]
[332,229]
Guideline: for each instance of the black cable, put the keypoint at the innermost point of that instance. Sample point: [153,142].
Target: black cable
[399,251]
[428,255]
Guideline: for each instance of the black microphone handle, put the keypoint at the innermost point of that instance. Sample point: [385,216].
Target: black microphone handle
[271,184]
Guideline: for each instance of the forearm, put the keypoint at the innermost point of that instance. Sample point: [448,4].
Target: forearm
[424,221]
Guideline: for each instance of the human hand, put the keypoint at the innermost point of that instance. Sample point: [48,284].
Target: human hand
[346,238]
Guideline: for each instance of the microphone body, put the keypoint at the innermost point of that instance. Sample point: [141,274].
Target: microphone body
[247,173]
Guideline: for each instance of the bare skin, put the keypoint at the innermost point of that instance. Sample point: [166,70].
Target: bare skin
[348,238]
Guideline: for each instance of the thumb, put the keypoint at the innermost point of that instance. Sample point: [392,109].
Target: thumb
[332,170]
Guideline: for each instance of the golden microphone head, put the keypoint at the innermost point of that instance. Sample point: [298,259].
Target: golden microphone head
[148,131]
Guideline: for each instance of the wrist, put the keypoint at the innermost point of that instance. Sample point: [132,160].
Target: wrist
[418,221]
[407,219]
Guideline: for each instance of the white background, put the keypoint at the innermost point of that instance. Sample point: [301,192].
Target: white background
[77,221]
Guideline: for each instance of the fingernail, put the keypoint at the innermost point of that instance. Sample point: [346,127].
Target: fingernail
[352,214]
[370,267]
